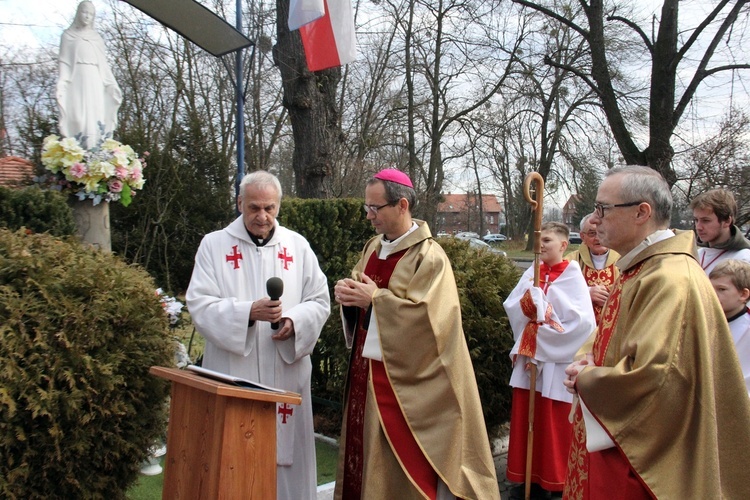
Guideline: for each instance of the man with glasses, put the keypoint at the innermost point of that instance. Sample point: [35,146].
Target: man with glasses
[714,213]
[597,265]
[663,408]
[413,424]
[251,335]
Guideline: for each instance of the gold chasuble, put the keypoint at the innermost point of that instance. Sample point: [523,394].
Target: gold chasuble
[667,389]
[415,416]
[593,276]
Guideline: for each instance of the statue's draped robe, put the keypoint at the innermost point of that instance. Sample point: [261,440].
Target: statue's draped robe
[91,97]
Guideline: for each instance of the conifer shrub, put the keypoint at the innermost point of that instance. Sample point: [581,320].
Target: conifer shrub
[337,230]
[40,211]
[79,330]
[484,281]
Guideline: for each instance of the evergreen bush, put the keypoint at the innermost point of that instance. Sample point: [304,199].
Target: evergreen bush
[79,330]
[36,210]
[484,281]
[337,231]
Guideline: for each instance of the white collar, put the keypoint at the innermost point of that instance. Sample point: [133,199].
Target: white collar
[655,237]
[386,247]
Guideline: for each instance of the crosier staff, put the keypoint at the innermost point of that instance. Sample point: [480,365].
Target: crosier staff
[536,207]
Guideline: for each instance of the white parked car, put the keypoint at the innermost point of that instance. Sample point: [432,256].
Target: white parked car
[575,238]
[467,235]
[478,244]
[494,238]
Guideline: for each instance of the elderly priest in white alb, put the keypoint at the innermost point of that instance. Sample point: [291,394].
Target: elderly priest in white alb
[230,307]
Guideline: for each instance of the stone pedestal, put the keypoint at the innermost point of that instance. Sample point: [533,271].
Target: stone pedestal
[92,223]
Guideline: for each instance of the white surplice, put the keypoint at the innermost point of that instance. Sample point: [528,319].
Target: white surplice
[572,310]
[230,273]
[740,328]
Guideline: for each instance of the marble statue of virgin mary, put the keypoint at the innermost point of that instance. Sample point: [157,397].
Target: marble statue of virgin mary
[87,94]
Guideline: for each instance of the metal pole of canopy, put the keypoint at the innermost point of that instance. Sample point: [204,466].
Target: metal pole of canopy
[240,107]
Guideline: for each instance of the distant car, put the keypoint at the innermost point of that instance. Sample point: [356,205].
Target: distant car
[478,244]
[442,234]
[494,238]
[467,235]
[575,238]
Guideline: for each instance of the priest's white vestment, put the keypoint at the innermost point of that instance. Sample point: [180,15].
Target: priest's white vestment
[230,273]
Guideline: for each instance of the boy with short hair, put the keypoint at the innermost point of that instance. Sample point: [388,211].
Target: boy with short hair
[731,280]
[550,323]
[714,215]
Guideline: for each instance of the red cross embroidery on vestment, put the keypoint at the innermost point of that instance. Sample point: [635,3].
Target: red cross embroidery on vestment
[285,411]
[286,259]
[235,257]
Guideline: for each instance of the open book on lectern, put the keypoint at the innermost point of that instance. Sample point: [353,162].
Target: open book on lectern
[229,379]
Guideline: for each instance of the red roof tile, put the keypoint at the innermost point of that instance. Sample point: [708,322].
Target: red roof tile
[458,202]
[15,171]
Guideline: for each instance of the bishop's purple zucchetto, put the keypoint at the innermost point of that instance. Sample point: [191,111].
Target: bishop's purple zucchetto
[393,175]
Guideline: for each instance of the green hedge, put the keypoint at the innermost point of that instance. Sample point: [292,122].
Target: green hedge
[79,330]
[36,210]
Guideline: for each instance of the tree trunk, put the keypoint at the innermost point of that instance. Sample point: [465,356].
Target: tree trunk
[310,99]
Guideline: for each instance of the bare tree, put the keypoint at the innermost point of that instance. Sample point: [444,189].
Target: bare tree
[722,160]
[671,53]
[310,99]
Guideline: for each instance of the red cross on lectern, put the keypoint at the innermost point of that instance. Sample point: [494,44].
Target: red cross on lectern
[234,257]
[285,411]
[286,259]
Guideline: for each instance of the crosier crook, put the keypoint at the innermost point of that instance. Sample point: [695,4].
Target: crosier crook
[536,207]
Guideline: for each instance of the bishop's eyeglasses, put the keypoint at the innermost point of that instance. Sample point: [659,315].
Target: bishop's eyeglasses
[599,208]
[373,209]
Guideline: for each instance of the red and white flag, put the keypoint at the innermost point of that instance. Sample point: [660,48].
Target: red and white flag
[304,11]
[330,41]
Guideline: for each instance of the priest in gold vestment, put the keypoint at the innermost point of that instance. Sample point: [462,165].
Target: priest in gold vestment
[663,409]
[413,424]
[597,264]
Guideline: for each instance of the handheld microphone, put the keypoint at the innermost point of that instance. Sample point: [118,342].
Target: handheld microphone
[275,289]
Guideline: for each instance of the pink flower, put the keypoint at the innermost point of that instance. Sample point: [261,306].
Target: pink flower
[121,172]
[115,186]
[78,170]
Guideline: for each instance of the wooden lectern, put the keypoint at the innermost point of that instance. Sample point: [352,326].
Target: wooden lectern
[221,441]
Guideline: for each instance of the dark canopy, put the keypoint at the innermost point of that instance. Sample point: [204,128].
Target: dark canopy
[196,23]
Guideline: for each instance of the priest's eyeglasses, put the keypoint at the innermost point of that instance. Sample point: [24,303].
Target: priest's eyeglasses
[373,209]
[599,208]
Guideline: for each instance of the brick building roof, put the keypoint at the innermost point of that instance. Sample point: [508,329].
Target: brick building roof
[457,203]
[15,171]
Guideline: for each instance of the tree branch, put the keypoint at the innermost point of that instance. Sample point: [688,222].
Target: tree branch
[701,72]
[636,28]
[548,61]
[554,15]
[702,26]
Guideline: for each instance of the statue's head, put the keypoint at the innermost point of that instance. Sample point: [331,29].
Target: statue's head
[85,15]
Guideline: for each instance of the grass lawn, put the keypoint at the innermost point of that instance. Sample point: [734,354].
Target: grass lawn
[149,487]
